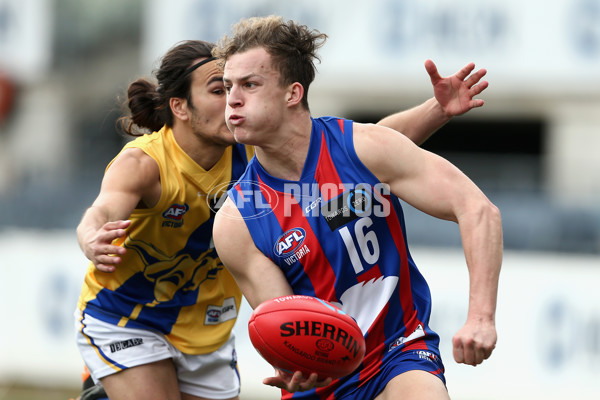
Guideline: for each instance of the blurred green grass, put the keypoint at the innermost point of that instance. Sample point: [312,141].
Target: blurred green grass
[22,392]
[25,392]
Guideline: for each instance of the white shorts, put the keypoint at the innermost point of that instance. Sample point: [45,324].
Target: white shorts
[107,349]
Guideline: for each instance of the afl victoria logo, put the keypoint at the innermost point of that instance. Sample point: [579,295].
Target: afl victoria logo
[176,211]
[289,242]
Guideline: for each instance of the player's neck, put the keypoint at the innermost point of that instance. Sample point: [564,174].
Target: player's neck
[285,157]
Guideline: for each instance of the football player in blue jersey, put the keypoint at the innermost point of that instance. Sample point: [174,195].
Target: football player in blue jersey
[353,249]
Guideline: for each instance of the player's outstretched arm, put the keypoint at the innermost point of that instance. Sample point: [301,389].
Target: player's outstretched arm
[130,181]
[453,96]
[435,186]
[258,278]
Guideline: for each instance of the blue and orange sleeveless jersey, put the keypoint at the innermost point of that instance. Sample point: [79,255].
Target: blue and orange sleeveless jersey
[339,235]
[171,279]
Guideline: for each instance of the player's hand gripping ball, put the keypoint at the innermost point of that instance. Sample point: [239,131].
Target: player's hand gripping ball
[303,333]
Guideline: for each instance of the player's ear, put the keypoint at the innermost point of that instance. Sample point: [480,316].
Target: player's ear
[179,108]
[295,94]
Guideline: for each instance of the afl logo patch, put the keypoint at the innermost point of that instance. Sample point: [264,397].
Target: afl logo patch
[175,212]
[289,242]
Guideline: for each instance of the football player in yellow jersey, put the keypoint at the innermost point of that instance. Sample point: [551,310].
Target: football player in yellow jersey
[157,307]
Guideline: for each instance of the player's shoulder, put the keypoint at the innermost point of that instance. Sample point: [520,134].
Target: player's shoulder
[228,216]
[375,136]
[230,233]
[135,158]
[362,127]
[135,169]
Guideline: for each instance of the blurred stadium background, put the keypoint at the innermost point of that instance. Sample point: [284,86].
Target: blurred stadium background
[534,149]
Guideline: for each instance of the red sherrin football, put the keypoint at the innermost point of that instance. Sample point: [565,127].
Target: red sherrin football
[303,333]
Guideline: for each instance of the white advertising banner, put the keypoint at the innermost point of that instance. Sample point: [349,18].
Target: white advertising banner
[550,46]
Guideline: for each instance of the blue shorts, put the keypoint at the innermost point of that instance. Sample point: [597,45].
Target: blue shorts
[410,360]
[402,361]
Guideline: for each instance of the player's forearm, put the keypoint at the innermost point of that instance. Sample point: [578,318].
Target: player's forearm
[483,245]
[259,282]
[418,123]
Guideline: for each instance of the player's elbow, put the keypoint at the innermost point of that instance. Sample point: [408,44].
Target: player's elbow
[492,212]
[488,213]
[480,211]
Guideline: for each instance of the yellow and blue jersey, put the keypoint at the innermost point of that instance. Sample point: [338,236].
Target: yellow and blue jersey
[171,280]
